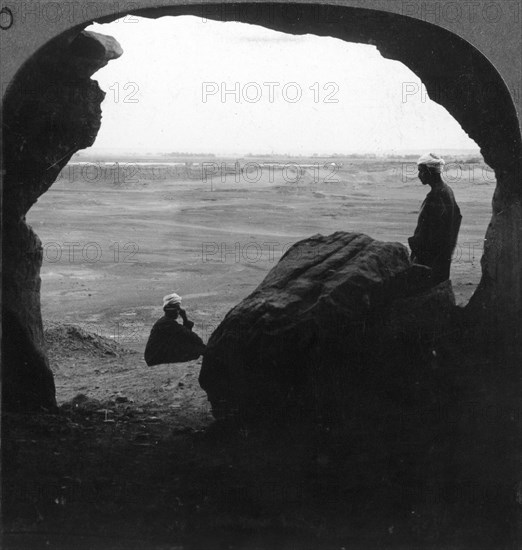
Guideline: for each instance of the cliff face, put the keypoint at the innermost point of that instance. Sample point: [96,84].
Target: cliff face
[52,111]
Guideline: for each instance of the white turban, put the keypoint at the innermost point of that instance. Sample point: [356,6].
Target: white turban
[433,162]
[171,299]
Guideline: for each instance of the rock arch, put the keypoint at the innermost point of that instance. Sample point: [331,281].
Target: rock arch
[43,129]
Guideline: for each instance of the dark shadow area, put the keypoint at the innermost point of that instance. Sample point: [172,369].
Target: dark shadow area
[438,475]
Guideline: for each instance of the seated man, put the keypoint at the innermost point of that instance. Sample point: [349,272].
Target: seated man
[170,342]
[438,226]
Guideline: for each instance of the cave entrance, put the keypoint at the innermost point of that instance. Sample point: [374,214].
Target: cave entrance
[466,84]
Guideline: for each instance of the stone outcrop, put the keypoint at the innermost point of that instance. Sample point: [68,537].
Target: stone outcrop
[334,317]
[52,111]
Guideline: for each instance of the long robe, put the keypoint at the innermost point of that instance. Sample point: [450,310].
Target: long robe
[436,234]
[170,342]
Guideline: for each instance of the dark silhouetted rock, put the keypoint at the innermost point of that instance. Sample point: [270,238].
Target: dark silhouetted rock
[321,328]
[51,111]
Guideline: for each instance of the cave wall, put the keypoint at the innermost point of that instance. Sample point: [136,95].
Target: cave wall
[42,130]
[53,110]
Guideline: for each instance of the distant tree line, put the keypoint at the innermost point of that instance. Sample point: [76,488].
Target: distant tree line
[180,154]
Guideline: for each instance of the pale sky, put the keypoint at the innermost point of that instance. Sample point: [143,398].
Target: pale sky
[155,93]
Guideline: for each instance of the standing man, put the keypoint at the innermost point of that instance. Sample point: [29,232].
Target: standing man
[438,227]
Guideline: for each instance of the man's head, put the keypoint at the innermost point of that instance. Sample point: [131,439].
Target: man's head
[430,168]
[172,305]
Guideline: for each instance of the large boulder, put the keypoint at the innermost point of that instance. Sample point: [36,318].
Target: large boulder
[326,326]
